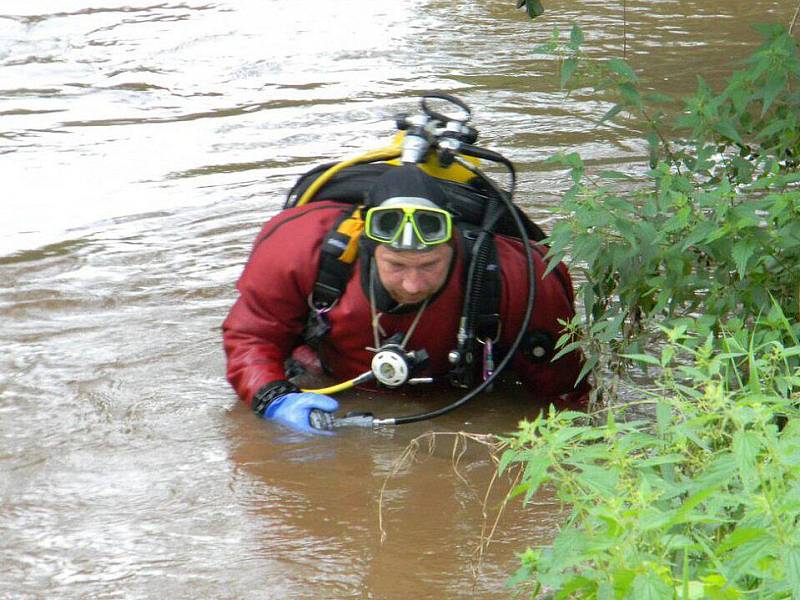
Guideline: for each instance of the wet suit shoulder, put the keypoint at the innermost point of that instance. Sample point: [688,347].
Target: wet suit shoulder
[267,319]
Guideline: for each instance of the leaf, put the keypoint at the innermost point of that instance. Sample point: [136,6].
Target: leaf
[741,253]
[600,479]
[746,445]
[658,98]
[774,86]
[620,67]
[575,37]
[567,70]
[653,146]
[535,8]
[612,112]
[535,474]
[649,586]
[739,536]
[660,460]
[614,175]
[506,459]
[644,358]
[684,513]
[630,94]
[663,417]
[702,233]
[791,561]
[728,130]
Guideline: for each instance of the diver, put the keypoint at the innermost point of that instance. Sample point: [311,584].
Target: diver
[406,288]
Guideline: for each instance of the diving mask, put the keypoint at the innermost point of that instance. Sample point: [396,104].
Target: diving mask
[406,223]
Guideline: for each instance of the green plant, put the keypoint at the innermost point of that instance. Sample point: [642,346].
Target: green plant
[710,230]
[702,502]
[691,272]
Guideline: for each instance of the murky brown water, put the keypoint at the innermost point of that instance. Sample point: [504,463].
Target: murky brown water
[141,146]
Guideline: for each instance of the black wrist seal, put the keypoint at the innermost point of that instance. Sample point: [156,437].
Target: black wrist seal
[267,393]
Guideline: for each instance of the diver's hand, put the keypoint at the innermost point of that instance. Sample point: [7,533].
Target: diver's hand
[294,410]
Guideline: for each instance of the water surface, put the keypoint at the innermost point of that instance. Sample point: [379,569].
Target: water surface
[142,144]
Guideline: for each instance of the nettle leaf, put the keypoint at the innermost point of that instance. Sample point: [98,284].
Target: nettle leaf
[643,358]
[728,130]
[612,112]
[659,98]
[774,86]
[663,417]
[620,67]
[740,536]
[506,459]
[614,175]
[649,586]
[791,561]
[600,479]
[653,145]
[745,557]
[534,475]
[568,70]
[746,446]
[741,254]
[630,94]
[575,37]
[702,233]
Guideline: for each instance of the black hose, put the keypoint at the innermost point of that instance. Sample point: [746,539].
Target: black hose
[477,268]
[492,156]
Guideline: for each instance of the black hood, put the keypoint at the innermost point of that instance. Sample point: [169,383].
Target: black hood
[406,181]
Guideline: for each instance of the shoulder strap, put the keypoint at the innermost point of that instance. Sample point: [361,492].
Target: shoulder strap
[483,319]
[338,253]
[487,303]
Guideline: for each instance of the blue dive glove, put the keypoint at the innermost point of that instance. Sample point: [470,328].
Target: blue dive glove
[294,410]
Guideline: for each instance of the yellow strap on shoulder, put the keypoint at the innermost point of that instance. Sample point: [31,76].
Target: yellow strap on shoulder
[352,227]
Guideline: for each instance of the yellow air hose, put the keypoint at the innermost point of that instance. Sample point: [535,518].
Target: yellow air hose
[345,385]
[387,153]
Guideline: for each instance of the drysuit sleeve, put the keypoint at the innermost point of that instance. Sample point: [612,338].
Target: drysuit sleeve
[533,363]
[267,320]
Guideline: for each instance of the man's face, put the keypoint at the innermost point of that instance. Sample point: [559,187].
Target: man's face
[410,277]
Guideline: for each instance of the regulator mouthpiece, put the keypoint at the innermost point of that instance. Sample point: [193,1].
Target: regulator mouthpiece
[393,366]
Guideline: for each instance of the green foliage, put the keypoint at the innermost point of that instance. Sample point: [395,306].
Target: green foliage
[713,226]
[703,501]
[690,276]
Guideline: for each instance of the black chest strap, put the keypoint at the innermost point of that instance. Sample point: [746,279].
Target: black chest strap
[338,253]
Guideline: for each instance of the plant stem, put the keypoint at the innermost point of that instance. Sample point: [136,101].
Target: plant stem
[794,19]
[625,29]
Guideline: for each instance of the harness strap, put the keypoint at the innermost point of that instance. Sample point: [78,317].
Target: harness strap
[485,311]
[338,253]
[487,323]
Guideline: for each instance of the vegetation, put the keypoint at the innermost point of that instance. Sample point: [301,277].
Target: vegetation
[691,276]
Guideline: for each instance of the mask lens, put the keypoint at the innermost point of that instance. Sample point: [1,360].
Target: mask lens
[384,223]
[431,225]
